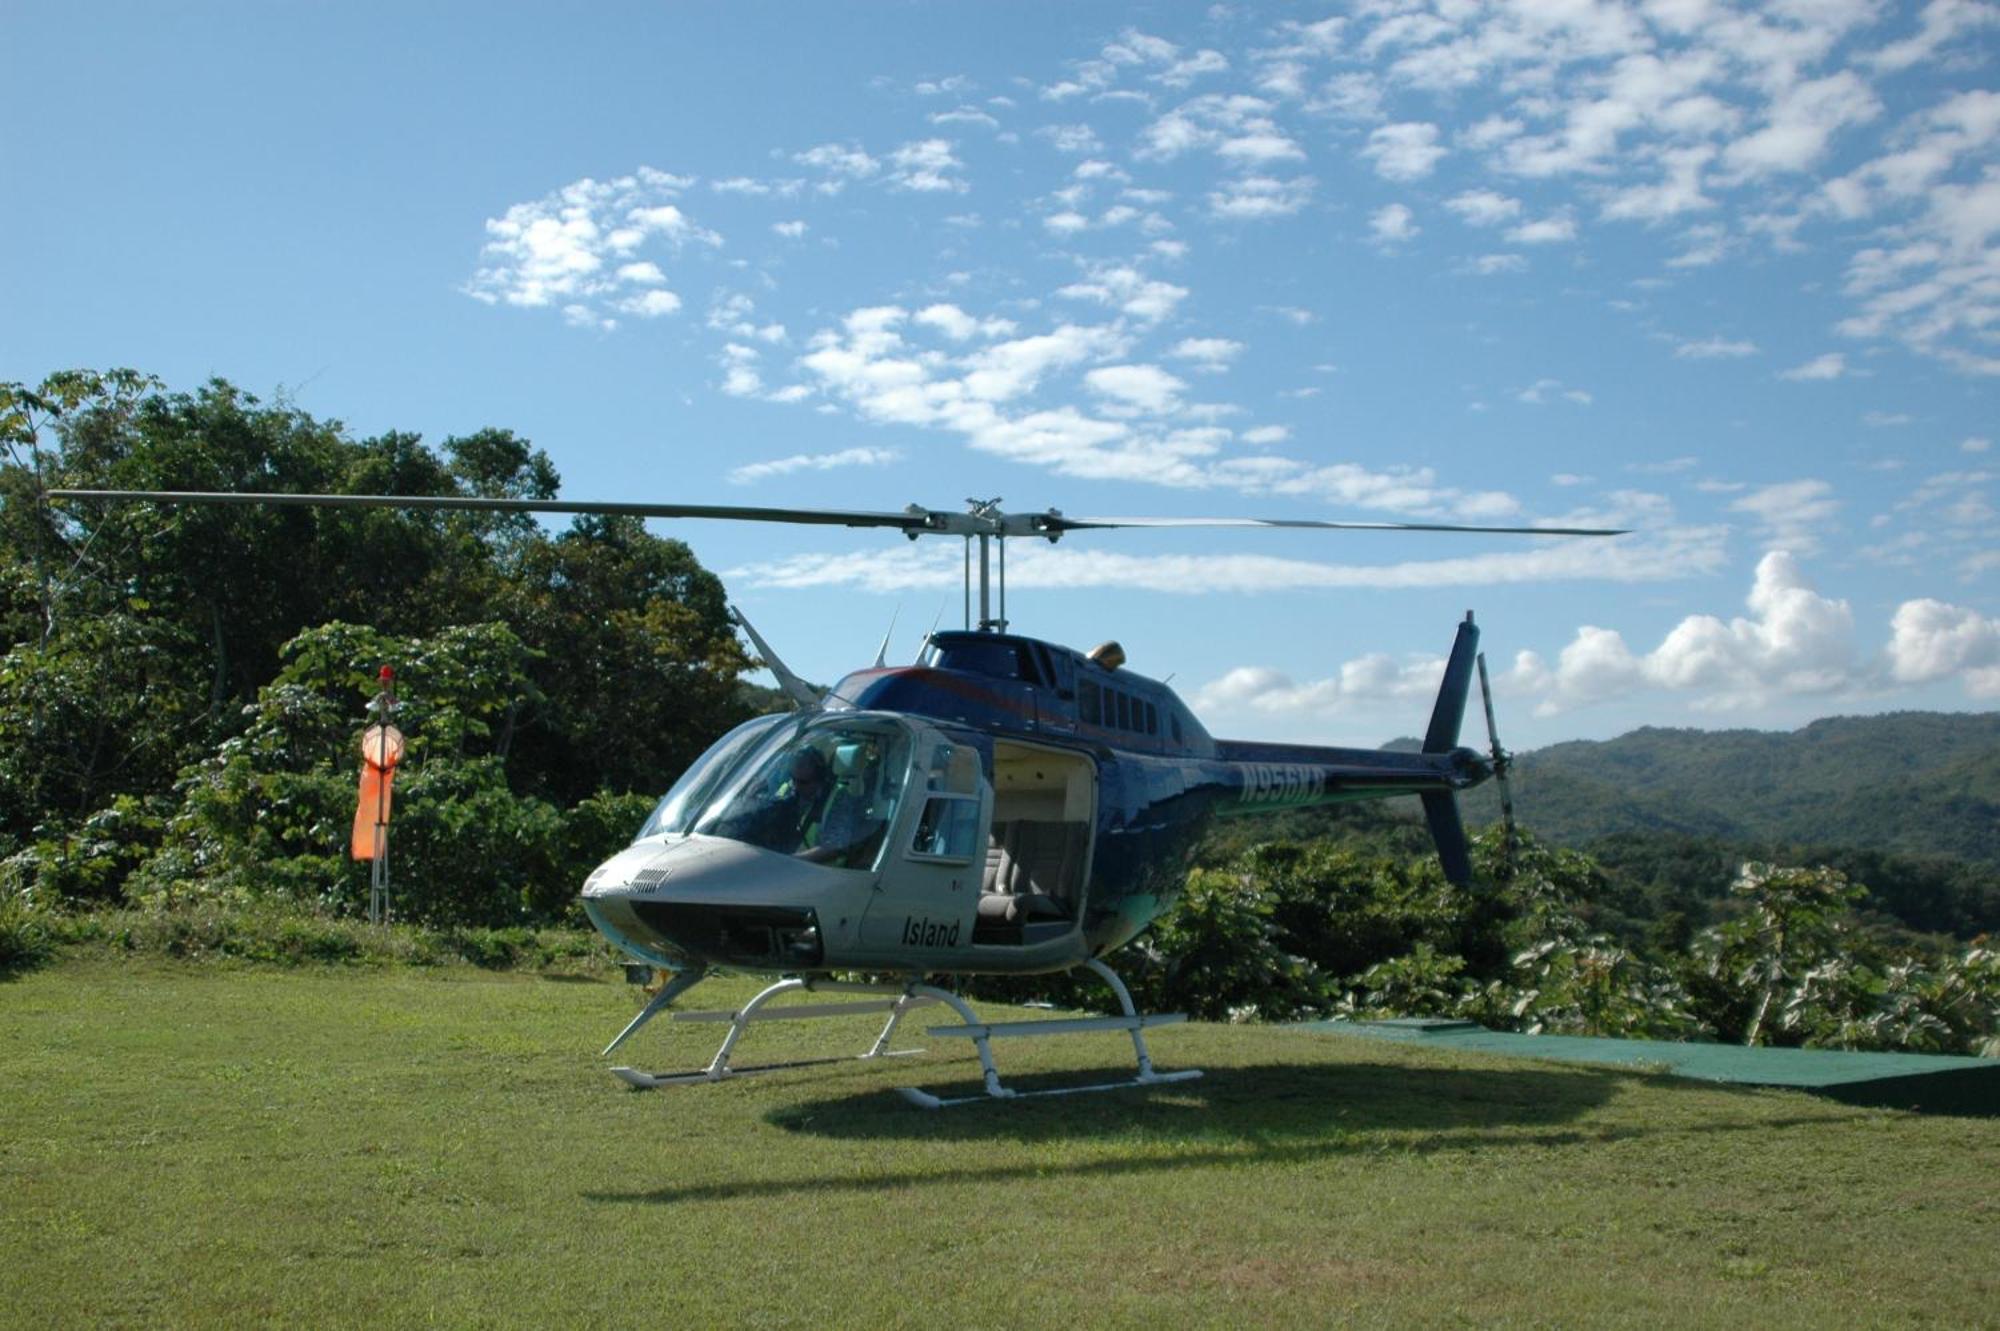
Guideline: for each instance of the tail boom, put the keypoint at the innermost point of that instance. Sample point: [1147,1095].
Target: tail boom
[1271,778]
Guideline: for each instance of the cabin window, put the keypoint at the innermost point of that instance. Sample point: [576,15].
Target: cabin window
[948,829]
[1124,712]
[1000,660]
[1152,720]
[1049,676]
[1174,719]
[1086,702]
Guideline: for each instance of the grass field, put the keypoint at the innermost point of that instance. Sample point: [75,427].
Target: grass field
[204,1143]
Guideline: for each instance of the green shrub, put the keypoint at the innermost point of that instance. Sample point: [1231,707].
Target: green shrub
[26,941]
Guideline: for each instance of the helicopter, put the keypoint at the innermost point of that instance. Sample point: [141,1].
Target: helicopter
[1004,805]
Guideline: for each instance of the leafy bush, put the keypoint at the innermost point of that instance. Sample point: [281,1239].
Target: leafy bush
[269,814]
[1220,956]
[26,941]
[277,933]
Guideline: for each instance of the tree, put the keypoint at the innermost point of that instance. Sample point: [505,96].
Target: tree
[1795,922]
[143,639]
[636,659]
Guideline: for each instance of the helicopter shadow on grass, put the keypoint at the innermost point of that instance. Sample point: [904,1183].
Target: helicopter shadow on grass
[1276,1113]
[1268,1102]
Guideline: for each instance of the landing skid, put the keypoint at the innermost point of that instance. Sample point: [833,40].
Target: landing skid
[982,1035]
[720,1069]
[905,998]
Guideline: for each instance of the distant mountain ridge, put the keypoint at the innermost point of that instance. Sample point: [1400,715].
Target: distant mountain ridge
[1915,783]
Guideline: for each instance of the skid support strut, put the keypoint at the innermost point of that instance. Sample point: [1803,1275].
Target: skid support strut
[982,1034]
[900,999]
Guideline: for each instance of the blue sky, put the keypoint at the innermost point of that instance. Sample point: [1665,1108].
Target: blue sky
[1725,274]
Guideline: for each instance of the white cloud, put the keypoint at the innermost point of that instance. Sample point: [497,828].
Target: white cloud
[1011,369]
[840,162]
[732,313]
[1408,150]
[1546,390]
[1975,444]
[1136,388]
[965,115]
[1800,125]
[1714,348]
[1942,21]
[1071,139]
[1080,563]
[1832,365]
[1677,191]
[1931,640]
[573,248]
[791,230]
[926,166]
[847,457]
[740,375]
[1555,229]
[1392,225]
[1256,198]
[1127,289]
[1210,355]
[651,304]
[1484,207]
[1791,513]
[957,325]
[1794,642]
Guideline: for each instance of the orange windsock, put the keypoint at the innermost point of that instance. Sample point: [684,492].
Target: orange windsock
[381,750]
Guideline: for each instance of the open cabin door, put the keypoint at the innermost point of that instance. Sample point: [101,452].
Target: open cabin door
[1042,838]
[927,893]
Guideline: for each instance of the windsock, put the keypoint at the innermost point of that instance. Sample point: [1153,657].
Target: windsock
[381,750]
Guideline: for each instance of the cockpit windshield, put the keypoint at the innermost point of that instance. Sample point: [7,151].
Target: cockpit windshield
[823,788]
[676,812]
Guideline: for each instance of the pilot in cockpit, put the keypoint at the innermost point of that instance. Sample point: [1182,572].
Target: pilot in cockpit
[851,821]
[819,811]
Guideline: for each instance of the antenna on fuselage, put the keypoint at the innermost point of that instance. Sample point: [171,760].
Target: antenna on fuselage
[795,688]
[882,652]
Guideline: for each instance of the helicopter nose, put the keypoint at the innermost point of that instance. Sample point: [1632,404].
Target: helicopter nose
[710,900]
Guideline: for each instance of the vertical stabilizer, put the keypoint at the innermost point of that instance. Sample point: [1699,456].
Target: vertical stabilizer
[1442,737]
[1441,806]
[1441,812]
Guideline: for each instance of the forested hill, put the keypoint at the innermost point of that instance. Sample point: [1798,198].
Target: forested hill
[1913,783]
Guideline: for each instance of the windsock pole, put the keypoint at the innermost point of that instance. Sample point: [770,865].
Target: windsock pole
[381,750]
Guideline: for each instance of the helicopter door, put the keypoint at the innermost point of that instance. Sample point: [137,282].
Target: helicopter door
[927,894]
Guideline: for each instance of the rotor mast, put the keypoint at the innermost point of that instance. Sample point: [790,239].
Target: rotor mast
[984,521]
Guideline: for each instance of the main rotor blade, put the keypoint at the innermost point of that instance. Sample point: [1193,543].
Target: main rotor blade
[913,520]
[1060,523]
[827,517]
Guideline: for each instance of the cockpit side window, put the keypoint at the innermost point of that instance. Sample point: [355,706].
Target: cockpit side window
[949,827]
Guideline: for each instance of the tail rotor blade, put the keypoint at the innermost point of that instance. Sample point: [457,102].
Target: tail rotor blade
[1502,760]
